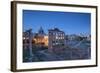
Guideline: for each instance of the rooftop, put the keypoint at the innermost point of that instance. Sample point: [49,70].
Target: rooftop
[55,29]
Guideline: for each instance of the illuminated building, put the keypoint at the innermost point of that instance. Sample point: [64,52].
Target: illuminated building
[41,41]
[40,38]
[56,40]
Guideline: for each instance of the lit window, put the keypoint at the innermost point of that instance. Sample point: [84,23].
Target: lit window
[62,37]
[57,37]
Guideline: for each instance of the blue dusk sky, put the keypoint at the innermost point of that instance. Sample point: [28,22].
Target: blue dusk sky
[69,22]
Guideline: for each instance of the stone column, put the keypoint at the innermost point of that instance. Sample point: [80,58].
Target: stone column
[30,44]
